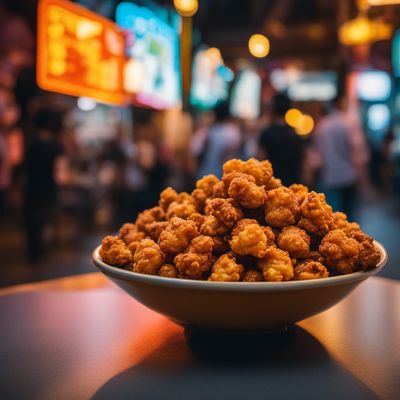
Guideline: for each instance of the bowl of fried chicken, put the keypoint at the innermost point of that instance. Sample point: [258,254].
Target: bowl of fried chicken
[241,252]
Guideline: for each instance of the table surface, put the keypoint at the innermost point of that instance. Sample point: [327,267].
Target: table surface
[82,337]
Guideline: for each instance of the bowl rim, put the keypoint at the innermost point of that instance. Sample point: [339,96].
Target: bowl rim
[156,280]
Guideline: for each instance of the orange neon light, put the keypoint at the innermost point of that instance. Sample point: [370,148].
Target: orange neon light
[79,52]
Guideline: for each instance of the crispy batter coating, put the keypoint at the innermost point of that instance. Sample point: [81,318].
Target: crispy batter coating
[177,235]
[226,269]
[182,210]
[198,219]
[300,191]
[281,207]
[310,270]
[249,240]
[241,224]
[148,216]
[228,178]
[276,265]
[167,196]
[207,183]
[130,233]
[246,193]
[113,251]
[269,233]
[273,183]
[225,211]
[369,256]
[260,170]
[213,227]
[340,251]
[148,257]
[295,241]
[155,228]
[340,222]
[200,197]
[132,246]
[316,215]
[168,271]
[197,259]
[219,191]
[253,275]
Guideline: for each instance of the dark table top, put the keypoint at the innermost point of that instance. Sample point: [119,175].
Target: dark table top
[82,337]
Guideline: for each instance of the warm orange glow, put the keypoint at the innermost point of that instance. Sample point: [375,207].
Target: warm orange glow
[382,2]
[186,8]
[362,30]
[79,52]
[259,45]
[293,117]
[305,125]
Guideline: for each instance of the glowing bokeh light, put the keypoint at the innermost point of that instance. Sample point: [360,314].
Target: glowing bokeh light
[293,117]
[186,8]
[305,125]
[259,46]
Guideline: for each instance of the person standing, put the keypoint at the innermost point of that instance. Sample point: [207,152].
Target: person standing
[340,145]
[280,144]
[44,165]
[223,141]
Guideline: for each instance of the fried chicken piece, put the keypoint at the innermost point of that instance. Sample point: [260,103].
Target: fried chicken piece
[310,270]
[148,257]
[197,259]
[316,215]
[300,191]
[198,219]
[273,183]
[369,255]
[177,235]
[130,233]
[168,271]
[132,246]
[260,170]
[241,224]
[340,251]
[339,221]
[148,216]
[200,197]
[182,210]
[252,275]
[225,211]
[226,269]
[167,196]
[246,193]
[281,207]
[276,265]
[207,183]
[213,227]
[295,241]
[269,233]
[155,228]
[221,245]
[249,240]
[219,191]
[113,251]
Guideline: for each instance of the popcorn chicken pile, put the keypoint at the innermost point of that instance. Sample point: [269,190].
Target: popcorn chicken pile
[246,227]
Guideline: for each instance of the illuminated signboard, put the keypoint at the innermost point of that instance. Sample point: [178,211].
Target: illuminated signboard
[152,73]
[79,52]
[210,83]
[246,95]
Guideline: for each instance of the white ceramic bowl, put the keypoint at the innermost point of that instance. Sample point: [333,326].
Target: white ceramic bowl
[236,305]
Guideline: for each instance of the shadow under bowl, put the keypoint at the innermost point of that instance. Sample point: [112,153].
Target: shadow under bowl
[236,305]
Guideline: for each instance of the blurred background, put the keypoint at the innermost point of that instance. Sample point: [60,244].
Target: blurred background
[104,103]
